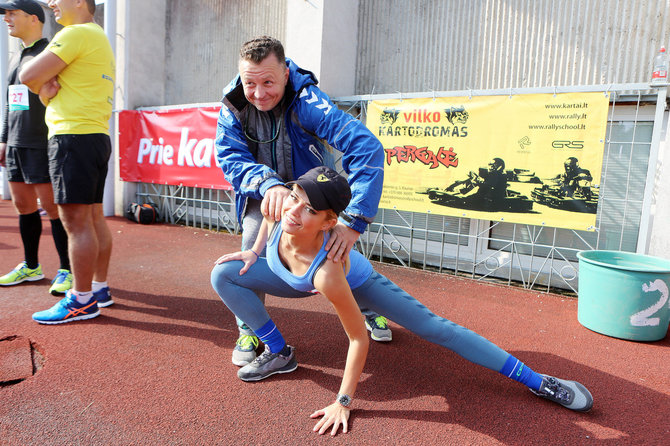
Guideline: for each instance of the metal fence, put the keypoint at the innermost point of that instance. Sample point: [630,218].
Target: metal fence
[534,257]
[192,206]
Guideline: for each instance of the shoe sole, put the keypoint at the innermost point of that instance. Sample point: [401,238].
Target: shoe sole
[259,378]
[581,388]
[106,303]
[25,279]
[72,319]
[377,338]
[58,293]
[581,409]
[240,363]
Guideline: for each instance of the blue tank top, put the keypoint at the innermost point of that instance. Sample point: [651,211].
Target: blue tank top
[359,270]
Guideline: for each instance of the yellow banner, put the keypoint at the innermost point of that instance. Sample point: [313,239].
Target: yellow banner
[533,159]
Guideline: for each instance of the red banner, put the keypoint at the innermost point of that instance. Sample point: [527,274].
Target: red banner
[170,147]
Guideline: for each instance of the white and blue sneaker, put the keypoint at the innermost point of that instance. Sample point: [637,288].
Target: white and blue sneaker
[68,310]
[103,297]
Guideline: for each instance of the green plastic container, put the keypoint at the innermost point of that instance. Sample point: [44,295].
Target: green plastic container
[624,295]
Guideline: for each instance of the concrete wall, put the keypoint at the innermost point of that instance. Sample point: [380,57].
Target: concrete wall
[202,41]
[140,68]
[319,35]
[185,51]
[446,45]
[141,34]
[322,37]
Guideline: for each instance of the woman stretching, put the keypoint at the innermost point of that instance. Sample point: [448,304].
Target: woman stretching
[296,265]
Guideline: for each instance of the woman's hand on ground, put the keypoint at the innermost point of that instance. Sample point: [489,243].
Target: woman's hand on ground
[248,257]
[334,415]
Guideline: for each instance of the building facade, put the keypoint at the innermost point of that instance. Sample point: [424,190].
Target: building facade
[176,52]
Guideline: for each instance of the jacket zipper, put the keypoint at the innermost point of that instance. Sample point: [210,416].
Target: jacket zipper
[273,146]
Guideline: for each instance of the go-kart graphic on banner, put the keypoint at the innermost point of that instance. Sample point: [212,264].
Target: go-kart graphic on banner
[533,159]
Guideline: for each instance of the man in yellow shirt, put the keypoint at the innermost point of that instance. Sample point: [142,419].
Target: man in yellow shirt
[74,77]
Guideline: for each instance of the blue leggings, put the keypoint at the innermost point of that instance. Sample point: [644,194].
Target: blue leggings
[378,293]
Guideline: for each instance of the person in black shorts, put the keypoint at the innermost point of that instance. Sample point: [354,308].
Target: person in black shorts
[79,105]
[23,153]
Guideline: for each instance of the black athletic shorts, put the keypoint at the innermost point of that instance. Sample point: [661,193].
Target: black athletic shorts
[26,165]
[78,167]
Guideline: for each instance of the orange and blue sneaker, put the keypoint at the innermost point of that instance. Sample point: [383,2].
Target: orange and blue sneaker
[61,283]
[68,310]
[104,297]
[21,274]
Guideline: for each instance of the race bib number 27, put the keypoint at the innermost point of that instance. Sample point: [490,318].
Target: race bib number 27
[18,97]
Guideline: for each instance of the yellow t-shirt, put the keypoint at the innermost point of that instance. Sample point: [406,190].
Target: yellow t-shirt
[83,105]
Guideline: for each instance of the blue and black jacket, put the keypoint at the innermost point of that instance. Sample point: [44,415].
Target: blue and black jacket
[314,125]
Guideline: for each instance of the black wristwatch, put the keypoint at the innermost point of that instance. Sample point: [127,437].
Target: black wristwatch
[346,217]
[343,399]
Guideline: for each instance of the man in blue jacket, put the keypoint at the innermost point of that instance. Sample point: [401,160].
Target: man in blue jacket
[276,124]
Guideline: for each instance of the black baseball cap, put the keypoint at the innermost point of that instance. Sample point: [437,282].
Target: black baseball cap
[29,6]
[325,188]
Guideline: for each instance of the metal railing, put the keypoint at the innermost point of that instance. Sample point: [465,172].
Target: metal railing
[192,206]
[534,257]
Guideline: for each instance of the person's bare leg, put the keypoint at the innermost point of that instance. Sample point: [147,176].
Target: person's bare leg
[45,193]
[24,197]
[82,242]
[104,236]
[79,302]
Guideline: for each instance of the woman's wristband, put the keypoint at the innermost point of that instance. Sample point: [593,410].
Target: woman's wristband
[257,256]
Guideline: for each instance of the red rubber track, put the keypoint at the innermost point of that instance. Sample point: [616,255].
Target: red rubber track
[155,367]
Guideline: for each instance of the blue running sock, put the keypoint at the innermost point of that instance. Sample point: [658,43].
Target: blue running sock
[518,371]
[270,335]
